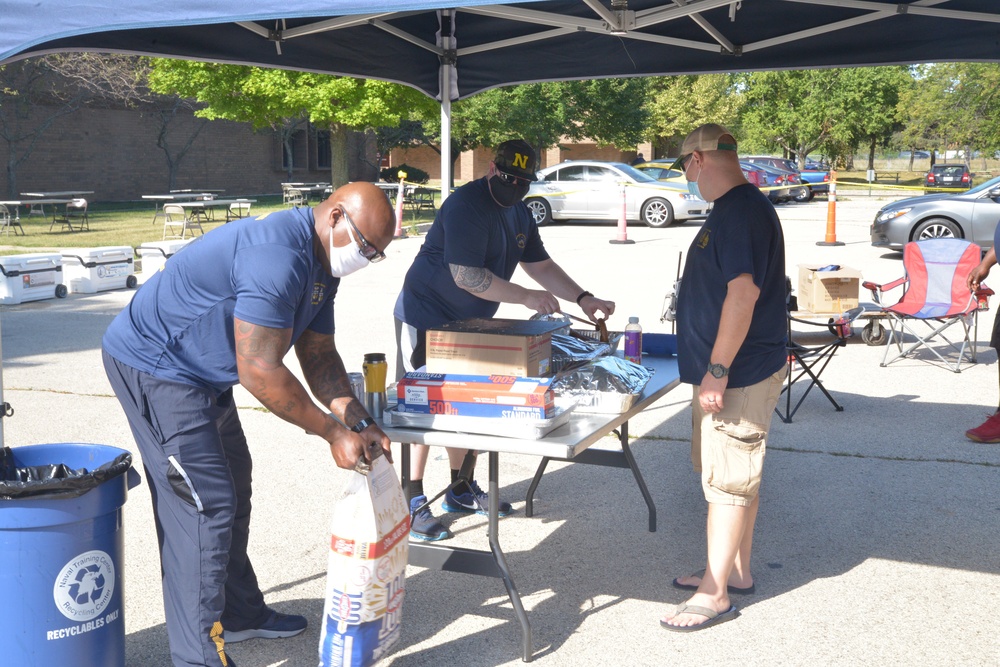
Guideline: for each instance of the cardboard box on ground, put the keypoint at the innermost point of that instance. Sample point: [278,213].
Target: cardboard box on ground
[833,291]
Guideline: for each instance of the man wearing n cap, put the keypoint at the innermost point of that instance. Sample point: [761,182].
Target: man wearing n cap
[731,349]
[481,234]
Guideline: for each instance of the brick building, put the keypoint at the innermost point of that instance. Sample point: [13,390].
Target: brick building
[114,153]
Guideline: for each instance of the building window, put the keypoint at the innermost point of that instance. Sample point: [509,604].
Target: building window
[300,151]
[323,149]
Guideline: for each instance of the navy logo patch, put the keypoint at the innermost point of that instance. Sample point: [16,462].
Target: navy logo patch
[522,241]
[319,291]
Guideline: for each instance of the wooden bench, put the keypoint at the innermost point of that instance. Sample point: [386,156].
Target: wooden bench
[885,176]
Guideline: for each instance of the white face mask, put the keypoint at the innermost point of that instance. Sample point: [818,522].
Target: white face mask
[347,259]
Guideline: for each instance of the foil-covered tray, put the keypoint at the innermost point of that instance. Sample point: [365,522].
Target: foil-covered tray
[524,429]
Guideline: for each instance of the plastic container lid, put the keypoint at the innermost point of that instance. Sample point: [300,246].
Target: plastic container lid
[633,320]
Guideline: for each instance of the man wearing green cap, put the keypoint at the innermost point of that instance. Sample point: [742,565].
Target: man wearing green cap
[731,349]
[481,234]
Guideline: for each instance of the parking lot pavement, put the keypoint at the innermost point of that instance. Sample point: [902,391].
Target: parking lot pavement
[876,541]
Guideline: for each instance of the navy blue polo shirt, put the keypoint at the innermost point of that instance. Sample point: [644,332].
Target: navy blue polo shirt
[470,229]
[264,270]
[741,235]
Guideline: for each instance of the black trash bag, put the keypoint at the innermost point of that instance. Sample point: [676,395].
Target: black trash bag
[56,480]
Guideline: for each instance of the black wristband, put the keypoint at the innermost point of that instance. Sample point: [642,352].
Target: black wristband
[582,294]
[363,424]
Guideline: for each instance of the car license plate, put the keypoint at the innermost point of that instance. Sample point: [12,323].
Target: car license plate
[948,179]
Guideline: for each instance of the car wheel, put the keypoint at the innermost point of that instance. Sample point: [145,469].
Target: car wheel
[936,228]
[657,213]
[804,195]
[540,210]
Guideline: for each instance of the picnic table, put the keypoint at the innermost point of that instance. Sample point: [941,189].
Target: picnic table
[174,196]
[37,207]
[202,209]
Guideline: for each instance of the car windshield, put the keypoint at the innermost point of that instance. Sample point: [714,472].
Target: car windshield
[635,174]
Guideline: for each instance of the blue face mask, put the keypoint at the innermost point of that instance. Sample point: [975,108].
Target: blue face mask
[694,189]
[693,186]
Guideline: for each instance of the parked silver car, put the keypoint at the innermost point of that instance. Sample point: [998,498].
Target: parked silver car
[592,190]
[971,215]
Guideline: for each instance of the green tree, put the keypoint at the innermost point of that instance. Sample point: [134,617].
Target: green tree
[278,98]
[678,104]
[796,111]
[868,97]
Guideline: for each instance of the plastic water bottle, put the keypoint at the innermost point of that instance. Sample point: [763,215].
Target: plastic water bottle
[633,341]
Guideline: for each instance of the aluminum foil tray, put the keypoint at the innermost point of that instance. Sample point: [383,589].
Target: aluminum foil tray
[601,403]
[525,429]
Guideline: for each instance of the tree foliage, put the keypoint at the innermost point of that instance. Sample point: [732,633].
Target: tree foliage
[279,98]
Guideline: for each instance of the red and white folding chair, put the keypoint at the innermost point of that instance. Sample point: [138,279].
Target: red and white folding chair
[935,294]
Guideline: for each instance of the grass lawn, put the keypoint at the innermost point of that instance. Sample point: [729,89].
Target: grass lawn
[129,224]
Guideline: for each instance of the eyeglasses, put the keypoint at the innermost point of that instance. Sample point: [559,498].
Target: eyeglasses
[511,179]
[367,250]
[685,160]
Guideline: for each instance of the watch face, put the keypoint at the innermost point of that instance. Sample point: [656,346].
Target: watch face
[717,370]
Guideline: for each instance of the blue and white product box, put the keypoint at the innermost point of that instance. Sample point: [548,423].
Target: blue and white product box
[498,396]
[31,277]
[90,270]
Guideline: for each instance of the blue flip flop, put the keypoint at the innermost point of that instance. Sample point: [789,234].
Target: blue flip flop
[712,617]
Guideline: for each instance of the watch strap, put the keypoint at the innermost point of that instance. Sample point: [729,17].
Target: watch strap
[363,424]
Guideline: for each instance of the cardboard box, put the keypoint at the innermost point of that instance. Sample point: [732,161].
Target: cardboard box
[91,270]
[31,277]
[828,291]
[501,396]
[492,347]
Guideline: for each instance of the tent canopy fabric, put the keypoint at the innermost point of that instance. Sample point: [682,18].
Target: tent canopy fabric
[495,44]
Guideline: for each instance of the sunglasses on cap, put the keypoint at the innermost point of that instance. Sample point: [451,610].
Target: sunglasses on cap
[511,179]
[367,250]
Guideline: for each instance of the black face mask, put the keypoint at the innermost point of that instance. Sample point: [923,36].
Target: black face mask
[505,194]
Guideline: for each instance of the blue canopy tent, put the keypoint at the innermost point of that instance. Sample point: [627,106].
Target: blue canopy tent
[434,46]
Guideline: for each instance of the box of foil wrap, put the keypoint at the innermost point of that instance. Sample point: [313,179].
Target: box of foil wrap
[500,396]
[369,546]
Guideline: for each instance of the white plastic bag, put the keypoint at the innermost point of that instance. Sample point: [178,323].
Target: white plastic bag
[369,545]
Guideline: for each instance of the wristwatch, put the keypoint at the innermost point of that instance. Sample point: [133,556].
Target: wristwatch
[363,424]
[718,370]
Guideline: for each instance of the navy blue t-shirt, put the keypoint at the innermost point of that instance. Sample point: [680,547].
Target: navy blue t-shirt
[179,325]
[470,230]
[741,235]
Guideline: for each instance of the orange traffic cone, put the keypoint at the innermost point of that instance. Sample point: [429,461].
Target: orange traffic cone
[622,224]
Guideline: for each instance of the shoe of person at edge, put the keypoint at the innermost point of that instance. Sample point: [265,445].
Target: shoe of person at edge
[471,501]
[276,626]
[423,525]
[988,431]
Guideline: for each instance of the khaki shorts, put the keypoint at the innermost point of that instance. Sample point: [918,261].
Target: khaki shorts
[728,448]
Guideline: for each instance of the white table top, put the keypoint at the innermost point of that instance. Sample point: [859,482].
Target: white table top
[194,190]
[65,193]
[564,442]
[212,203]
[180,196]
[34,202]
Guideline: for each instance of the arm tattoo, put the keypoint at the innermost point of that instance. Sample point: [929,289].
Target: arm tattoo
[471,279]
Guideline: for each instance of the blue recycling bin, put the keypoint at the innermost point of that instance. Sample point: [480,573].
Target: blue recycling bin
[61,562]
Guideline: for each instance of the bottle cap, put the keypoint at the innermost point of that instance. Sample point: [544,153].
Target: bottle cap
[633,320]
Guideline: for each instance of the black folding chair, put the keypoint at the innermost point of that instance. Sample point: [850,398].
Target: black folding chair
[806,363]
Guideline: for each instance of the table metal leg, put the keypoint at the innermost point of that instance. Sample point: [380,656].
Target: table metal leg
[472,561]
[508,581]
[634,467]
[529,500]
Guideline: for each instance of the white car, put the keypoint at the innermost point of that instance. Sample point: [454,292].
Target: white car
[592,190]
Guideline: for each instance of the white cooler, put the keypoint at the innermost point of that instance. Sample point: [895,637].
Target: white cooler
[31,277]
[90,270]
[154,255]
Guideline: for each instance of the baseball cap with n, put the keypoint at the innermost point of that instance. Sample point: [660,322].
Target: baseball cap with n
[516,157]
[707,137]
